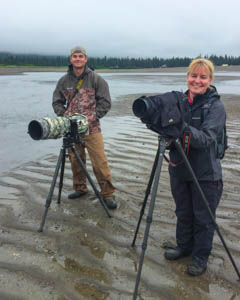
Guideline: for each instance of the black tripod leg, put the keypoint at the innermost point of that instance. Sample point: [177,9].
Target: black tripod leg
[147,193]
[61,177]
[162,146]
[49,197]
[91,182]
[180,150]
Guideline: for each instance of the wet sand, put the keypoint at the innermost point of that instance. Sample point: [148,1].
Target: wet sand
[83,254]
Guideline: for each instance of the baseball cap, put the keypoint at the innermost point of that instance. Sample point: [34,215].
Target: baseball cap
[78,49]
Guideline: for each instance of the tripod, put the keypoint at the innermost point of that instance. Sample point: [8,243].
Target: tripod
[68,142]
[155,176]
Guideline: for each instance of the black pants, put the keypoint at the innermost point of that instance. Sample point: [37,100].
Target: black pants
[195,229]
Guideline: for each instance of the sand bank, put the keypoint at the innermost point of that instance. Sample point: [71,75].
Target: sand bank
[21,70]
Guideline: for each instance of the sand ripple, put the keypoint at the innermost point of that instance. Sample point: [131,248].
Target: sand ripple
[83,254]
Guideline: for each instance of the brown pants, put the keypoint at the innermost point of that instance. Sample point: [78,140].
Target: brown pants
[95,147]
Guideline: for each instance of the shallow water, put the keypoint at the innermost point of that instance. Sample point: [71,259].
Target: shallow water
[28,97]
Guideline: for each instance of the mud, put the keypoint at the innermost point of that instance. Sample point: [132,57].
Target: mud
[84,254]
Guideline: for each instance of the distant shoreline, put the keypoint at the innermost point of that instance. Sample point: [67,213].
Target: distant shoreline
[21,70]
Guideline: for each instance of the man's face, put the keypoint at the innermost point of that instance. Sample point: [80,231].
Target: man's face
[78,60]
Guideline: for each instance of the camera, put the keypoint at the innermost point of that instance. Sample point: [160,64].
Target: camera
[54,128]
[164,114]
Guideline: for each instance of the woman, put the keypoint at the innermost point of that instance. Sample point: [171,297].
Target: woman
[205,121]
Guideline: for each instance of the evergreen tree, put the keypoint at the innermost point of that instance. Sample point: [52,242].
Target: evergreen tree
[13,59]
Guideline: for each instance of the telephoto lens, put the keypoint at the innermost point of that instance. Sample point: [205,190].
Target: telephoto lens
[164,113]
[54,128]
[140,107]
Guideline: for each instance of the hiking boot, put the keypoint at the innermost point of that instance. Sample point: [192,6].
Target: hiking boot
[176,253]
[110,202]
[77,194]
[194,269]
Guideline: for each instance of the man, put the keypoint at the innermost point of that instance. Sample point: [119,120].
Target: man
[83,91]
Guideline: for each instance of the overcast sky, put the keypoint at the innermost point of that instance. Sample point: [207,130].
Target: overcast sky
[134,28]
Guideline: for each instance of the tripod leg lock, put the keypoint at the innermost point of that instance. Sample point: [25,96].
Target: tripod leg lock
[144,246]
[149,220]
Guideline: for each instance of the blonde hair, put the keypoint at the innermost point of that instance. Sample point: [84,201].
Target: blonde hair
[201,62]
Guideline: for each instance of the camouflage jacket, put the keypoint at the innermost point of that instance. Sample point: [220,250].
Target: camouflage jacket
[91,100]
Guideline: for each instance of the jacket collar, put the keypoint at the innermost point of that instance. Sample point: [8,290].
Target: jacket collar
[201,99]
[70,72]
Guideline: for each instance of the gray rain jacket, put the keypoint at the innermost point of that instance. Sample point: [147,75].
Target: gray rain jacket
[204,132]
[92,100]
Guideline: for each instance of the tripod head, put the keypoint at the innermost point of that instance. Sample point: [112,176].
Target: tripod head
[73,137]
[74,131]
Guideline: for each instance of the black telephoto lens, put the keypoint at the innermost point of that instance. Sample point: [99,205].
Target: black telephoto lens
[35,130]
[140,107]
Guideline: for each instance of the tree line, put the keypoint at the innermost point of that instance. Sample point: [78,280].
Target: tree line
[13,59]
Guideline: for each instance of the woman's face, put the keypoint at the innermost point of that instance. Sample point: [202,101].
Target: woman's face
[198,80]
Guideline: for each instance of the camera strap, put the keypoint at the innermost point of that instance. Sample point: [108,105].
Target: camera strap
[185,145]
[79,84]
[186,142]
[171,163]
[77,88]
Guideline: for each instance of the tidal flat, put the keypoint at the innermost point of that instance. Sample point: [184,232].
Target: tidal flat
[84,254]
